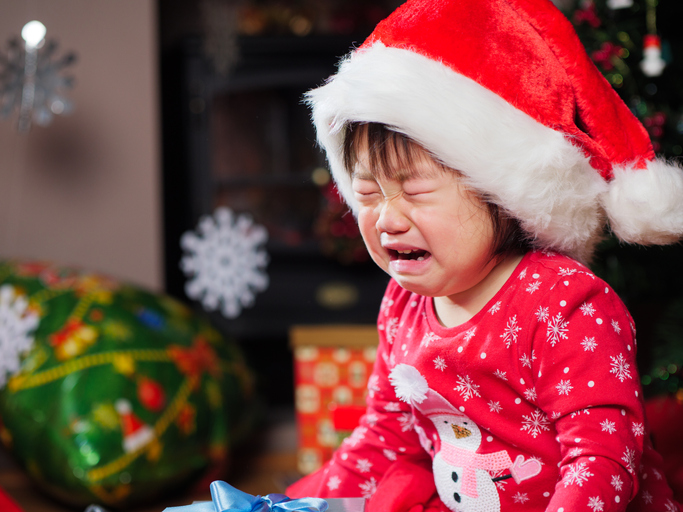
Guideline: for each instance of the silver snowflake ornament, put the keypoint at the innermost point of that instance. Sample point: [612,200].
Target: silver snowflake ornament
[32,81]
[17,323]
[225,260]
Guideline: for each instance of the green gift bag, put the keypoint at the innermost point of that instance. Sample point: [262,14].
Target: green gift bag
[110,393]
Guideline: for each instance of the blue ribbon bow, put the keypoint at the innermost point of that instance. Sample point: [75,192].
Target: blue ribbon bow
[225,498]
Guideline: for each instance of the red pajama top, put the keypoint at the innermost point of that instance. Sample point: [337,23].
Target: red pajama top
[535,402]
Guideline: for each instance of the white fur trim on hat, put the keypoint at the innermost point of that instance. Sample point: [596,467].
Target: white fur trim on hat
[527,168]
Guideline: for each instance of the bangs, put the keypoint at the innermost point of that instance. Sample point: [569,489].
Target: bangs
[391,154]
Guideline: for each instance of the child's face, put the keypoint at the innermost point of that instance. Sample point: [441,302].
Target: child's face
[444,227]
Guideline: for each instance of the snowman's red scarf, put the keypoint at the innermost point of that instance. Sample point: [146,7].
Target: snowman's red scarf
[471,461]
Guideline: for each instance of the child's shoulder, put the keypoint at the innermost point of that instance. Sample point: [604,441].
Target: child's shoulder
[550,264]
[553,278]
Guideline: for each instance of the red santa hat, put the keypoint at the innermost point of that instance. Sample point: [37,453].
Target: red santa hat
[504,92]
[136,433]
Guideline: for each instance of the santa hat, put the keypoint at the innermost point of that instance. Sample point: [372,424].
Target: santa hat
[136,434]
[411,387]
[503,91]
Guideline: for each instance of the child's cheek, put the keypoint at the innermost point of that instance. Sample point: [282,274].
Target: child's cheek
[367,224]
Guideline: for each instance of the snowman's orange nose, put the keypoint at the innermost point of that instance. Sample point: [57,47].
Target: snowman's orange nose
[460,432]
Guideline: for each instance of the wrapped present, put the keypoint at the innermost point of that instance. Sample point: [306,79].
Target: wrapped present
[332,364]
[225,498]
[109,393]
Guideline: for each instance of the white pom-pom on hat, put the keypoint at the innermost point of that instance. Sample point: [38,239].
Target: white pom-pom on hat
[411,387]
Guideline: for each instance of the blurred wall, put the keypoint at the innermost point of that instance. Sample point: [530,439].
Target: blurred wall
[86,190]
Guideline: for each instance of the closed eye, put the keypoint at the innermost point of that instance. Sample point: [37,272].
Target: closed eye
[365,187]
[416,187]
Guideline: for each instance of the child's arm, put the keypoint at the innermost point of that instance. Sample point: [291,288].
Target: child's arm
[384,437]
[588,382]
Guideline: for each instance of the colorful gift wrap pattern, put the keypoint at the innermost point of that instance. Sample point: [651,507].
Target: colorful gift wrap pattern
[120,393]
[332,365]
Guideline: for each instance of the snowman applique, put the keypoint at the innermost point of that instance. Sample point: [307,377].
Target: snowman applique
[461,474]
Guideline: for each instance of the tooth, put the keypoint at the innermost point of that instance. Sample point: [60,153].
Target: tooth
[421,258]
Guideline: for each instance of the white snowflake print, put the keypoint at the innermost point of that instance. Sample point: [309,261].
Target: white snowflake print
[575,452]
[555,415]
[494,406]
[368,488]
[533,287]
[557,329]
[580,411]
[615,326]
[371,419]
[428,338]
[363,465]
[333,483]
[439,363]
[392,407]
[390,330]
[589,344]
[495,308]
[469,334]
[567,271]
[357,436]
[501,374]
[525,360]
[407,421]
[670,506]
[541,314]
[658,475]
[564,387]
[530,394]
[466,387]
[373,385]
[620,368]
[500,484]
[522,275]
[638,429]
[596,504]
[225,260]
[535,423]
[511,331]
[576,474]
[587,309]
[17,323]
[608,426]
[386,304]
[629,458]
[390,454]
[647,497]
[520,497]
[617,483]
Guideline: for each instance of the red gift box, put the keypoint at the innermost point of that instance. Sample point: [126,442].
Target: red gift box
[332,364]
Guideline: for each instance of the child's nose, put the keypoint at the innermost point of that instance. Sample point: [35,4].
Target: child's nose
[392,219]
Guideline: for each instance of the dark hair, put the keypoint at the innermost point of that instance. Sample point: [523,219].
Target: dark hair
[391,153]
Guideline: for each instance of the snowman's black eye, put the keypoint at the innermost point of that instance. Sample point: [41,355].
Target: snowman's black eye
[464,423]
[445,421]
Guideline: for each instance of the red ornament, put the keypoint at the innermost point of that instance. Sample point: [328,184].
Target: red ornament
[588,14]
[151,395]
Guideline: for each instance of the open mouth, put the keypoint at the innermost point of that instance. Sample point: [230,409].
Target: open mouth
[417,255]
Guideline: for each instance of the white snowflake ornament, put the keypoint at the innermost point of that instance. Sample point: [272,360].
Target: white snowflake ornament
[17,323]
[225,260]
